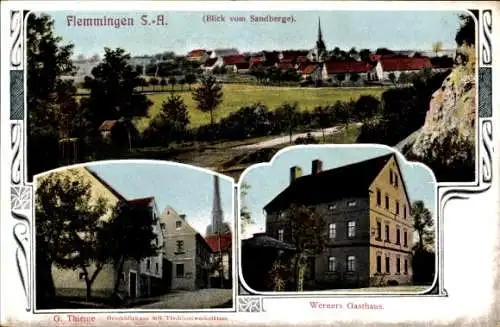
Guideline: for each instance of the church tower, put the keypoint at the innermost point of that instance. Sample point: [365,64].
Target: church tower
[217,226]
[320,50]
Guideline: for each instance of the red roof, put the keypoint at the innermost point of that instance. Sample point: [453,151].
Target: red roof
[225,242]
[256,60]
[210,62]
[196,53]
[233,60]
[309,69]
[107,125]
[285,65]
[404,64]
[292,54]
[337,67]
[302,59]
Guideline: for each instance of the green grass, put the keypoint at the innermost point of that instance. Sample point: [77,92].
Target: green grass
[238,95]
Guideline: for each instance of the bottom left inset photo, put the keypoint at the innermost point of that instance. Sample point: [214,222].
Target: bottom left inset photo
[133,234]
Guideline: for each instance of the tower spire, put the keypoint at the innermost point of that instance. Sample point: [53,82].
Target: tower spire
[320,34]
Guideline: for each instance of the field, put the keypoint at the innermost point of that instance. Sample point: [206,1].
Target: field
[238,95]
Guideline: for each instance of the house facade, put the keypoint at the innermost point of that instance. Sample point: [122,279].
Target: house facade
[137,279]
[345,71]
[387,66]
[368,225]
[188,252]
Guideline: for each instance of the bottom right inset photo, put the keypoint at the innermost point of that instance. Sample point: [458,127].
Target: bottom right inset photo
[338,218]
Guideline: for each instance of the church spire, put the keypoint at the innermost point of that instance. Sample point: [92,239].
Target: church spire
[320,49]
[320,34]
[216,208]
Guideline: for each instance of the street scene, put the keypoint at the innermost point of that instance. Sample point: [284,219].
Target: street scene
[108,242]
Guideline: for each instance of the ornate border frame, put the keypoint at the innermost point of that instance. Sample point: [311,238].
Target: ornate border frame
[21,191]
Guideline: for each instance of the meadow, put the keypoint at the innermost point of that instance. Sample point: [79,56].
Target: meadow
[236,96]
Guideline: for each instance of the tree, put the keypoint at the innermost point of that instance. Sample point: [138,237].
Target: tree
[354,77]
[422,224]
[323,119]
[246,218]
[404,78]
[366,106]
[47,61]
[340,78]
[307,232]
[163,82]
[208,96]
[68,224]
[182,82]
[364,54]
[113,91]
[172,80]
[436,47]
[190,79]
[392,78]
[129,234]
[175,114]
[153,81]
[466,34]
[289,114]
[353,53]
[340,111]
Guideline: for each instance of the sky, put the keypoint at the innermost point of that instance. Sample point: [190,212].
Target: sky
[267,181]
[188,190]
[400,30]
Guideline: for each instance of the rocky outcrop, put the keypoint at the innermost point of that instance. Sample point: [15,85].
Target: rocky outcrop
[447,137]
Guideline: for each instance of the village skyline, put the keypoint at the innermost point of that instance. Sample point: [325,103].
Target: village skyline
[404,31]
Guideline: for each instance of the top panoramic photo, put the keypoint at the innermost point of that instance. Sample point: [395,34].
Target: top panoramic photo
[225,90]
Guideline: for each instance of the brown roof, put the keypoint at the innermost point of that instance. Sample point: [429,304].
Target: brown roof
[336,67]
[309,69]
[233,60]
[196,53]
[404,64]
[108,125]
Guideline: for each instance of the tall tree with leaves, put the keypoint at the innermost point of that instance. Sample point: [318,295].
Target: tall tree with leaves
[422,224]
[307,232]
[323,119]
[436,47]
[466,34]
[113,91]
[175,114]
[246,218]
[68,224]
[287,113]
[47,61]
[208,96]
[129,234]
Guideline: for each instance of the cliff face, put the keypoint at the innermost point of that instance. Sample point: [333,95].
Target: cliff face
[447,138]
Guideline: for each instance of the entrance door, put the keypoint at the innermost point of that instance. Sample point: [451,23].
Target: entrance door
[133,284]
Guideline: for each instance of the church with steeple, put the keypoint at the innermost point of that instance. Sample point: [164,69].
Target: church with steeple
[319,52]
[217,226]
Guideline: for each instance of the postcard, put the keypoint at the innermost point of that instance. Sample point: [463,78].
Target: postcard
[243,162]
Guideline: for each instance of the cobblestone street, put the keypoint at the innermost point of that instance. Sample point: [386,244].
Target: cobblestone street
[199,299]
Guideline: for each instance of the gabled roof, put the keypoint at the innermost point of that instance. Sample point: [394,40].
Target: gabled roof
[337,67]
[196,53]
[224,244]
[108,125]
[404,64]
[233,60]
[309,69]
[256,59]
[347,181]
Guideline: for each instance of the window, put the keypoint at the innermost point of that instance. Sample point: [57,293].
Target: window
[332,231]
[379,264]
[351,203]
[351,229]
[178,224]
[379,198]
[391,177]
[331,264]
[81,276]
[179,270]
[351,263]
[180,247]
[404,211]
[388,265]
[148,264]
[281,214]
[397,207]
[405,239]
[396,181]
[280,234]
[156,267]
[398,236]
[398,265]
[406,266]
[379,230]
[387,233]
[387,202]
[332,207]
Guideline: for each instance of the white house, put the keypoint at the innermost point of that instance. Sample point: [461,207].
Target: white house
[397,66]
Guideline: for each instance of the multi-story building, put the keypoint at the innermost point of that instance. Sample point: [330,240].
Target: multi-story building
[187,251]
[137,279]
[366,211]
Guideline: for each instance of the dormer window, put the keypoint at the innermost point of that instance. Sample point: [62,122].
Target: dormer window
[178,224]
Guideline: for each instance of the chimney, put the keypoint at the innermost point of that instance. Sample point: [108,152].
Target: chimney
[295,172]
[317,167]
[183,216]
